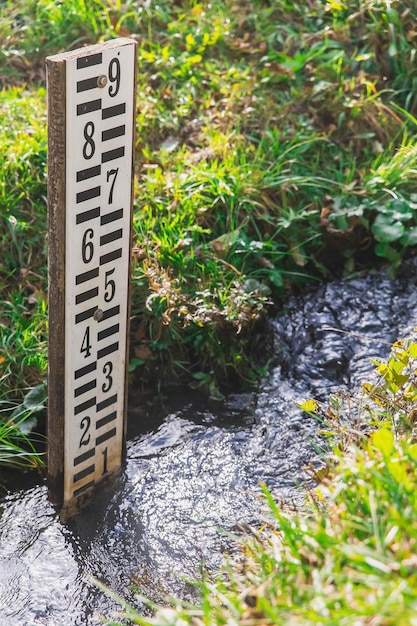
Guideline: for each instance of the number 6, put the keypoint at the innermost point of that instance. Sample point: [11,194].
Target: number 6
[87,247]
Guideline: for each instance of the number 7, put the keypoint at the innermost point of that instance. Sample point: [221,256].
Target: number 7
[114,174]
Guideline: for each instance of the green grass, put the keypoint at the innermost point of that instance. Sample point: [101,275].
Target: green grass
[349,556]
[23,272]
[276,145]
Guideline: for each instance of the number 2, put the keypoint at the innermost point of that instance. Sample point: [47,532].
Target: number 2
[85,426]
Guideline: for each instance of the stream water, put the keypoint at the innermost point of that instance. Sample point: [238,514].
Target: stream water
[193,467]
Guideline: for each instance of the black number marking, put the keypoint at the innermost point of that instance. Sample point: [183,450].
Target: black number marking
[86,344]
[85,426]
[109,285]
[89,147]
[104,461]
[107,371]
[114,174]
[114,77]
[87,247]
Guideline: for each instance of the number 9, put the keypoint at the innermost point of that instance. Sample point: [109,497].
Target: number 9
[114,77]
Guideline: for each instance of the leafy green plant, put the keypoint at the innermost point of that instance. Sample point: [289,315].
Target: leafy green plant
[395,392]
[25,414]
[19,446]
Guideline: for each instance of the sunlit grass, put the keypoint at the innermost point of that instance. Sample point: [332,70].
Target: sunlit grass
[275,146]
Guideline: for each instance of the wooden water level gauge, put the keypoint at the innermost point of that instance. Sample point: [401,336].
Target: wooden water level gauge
[91,113]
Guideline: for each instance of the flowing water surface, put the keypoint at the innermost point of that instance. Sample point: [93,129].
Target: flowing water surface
[194,467]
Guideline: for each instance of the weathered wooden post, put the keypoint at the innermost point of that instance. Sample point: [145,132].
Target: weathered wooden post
[91,128]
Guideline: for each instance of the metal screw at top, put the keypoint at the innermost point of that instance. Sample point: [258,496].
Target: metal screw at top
[102,81]
[98,315]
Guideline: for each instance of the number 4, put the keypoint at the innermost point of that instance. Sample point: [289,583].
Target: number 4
[86,344]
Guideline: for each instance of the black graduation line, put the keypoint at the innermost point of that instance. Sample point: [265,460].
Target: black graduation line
[112,330]
[110,155]
[89,107]
[110,256]
[85,405]
[85,276]
[88,194]
[108,350]
[86,216]
[85,315]
[117,109]
[84,456]
[87,83]
[114,310]
[89,172]
[105,403]
[109,237]
[86,295]
[79,391]
[83,473]
[111,217]
[106,420]
[87,369]
[88,61]
[105,436]
[85,487]
[112,133]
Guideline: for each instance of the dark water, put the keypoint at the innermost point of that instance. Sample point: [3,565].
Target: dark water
[193,468]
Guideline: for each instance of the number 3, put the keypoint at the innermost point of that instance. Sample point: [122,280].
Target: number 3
[107,371]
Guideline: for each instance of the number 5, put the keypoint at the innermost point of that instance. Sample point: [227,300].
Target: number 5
[109,285]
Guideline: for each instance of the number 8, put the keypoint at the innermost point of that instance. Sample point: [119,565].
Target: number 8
[89,147]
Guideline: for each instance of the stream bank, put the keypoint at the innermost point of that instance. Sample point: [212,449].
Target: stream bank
[193,467]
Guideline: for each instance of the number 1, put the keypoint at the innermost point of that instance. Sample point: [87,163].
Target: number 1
[104,461]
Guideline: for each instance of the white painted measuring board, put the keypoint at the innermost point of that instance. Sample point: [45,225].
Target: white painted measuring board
[91,113]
